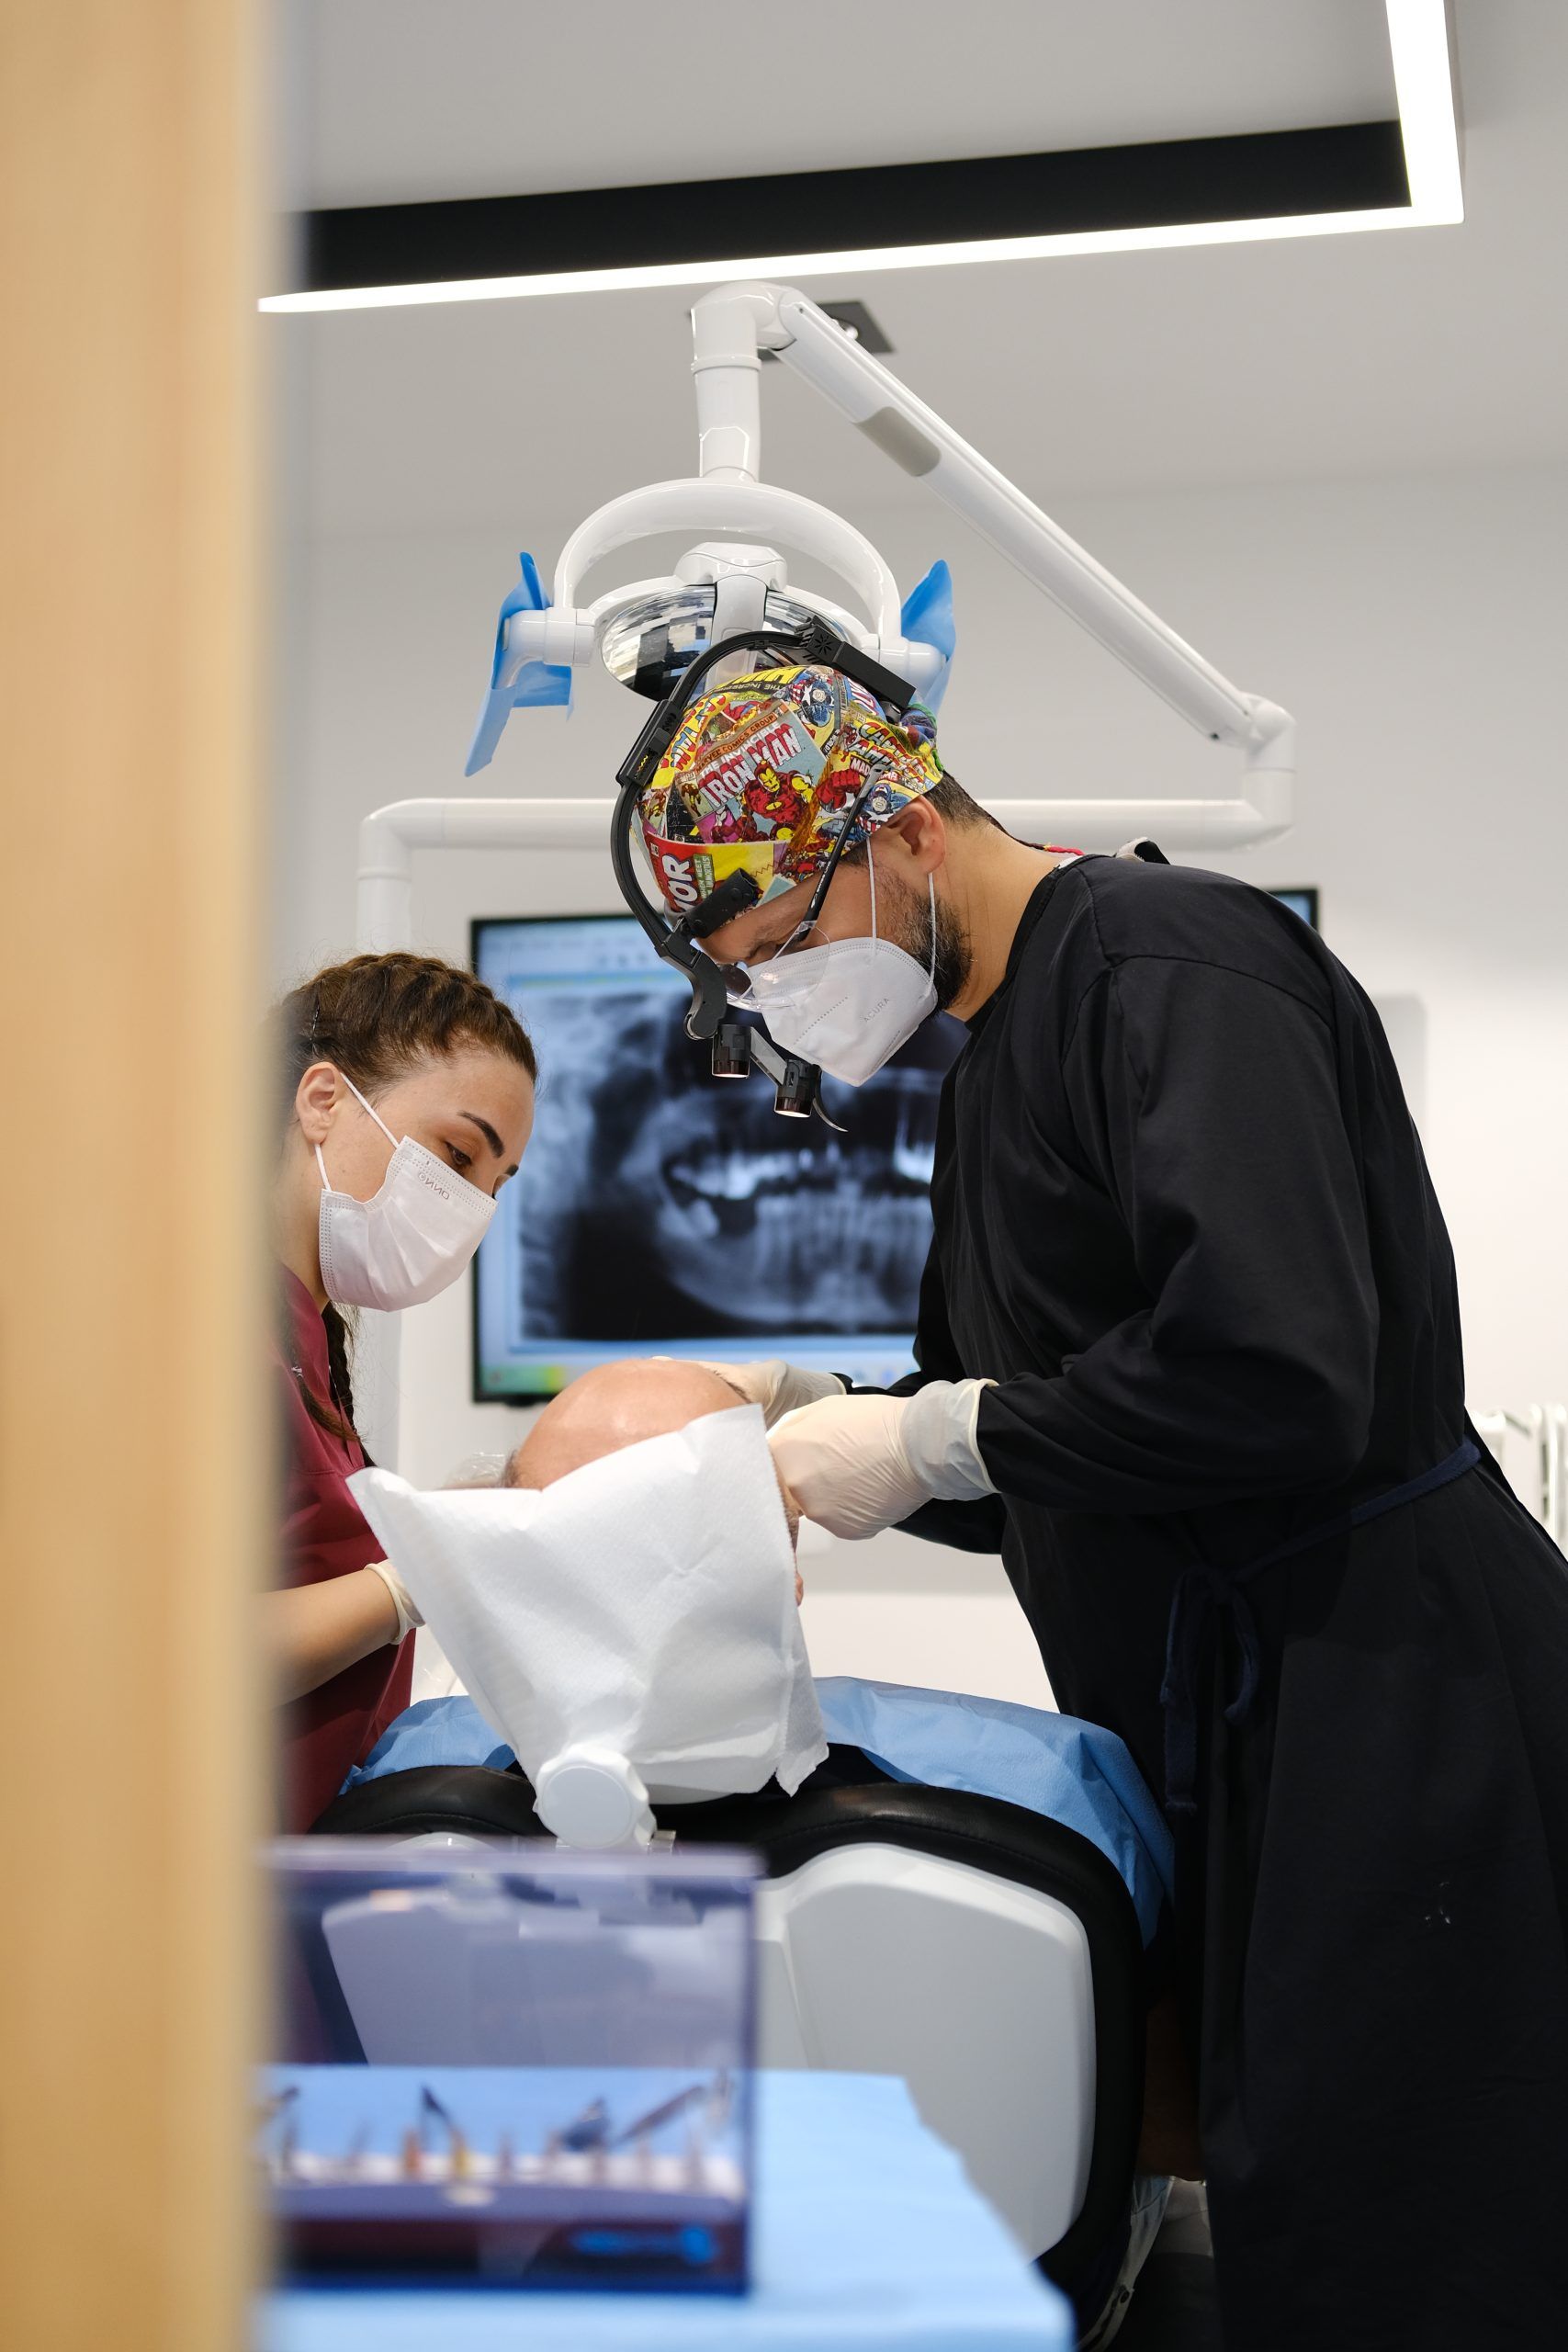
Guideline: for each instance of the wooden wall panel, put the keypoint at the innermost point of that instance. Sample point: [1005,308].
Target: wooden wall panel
[133,1433]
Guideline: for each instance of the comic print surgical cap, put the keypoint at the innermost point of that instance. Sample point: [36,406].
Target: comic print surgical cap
[762,774]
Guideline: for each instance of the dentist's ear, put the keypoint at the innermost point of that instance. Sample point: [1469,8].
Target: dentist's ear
[914,843]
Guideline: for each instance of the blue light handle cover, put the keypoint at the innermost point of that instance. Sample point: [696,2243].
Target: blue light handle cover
[537,683]
[927,619]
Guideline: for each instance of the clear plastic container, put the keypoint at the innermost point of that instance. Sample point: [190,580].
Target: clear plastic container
[504,2062]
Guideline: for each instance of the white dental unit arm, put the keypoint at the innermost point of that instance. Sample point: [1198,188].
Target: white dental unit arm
[721,588]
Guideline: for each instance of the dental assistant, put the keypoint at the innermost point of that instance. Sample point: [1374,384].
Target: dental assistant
[1189,1359]
[409,1101]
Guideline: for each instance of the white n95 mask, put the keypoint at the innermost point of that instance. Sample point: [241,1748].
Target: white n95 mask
[850,1005]
[410,1238]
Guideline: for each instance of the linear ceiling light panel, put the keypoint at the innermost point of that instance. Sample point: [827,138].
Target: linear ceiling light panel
[1401,173]
[1428,117]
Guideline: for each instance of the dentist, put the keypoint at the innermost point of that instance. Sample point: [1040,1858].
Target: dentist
[1190,1360]
[408,1100]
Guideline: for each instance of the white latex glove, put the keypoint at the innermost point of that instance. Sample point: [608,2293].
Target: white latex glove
[402,1599]
[777,1386]
[856,1465]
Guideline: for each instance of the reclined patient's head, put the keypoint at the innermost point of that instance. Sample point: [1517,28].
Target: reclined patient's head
[618,1405]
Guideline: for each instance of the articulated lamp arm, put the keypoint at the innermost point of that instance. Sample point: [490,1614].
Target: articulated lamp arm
[926,447]
[731,328]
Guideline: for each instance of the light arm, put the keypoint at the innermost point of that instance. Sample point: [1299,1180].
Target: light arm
[924,445]
[731,326]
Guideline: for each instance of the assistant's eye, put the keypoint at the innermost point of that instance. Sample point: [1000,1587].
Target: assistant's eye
[461,1162]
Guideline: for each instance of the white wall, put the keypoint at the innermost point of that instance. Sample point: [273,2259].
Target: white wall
[1414,626]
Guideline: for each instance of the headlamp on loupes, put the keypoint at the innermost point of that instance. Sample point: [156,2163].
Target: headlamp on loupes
[737,1047]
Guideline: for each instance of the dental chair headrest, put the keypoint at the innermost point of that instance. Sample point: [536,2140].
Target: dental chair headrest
[631,1630]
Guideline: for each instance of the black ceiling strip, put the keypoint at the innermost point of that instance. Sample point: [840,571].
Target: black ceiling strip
[1352,166]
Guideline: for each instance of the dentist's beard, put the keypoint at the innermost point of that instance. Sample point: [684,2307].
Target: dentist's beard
[911,928]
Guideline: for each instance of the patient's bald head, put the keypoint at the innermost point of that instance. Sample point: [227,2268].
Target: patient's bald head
[618,1405]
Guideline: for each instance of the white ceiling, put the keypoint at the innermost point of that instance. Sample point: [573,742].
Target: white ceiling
[394,100]
[1319,358]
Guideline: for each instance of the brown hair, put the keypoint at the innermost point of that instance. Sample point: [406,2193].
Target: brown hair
[376,1018]
[956,806]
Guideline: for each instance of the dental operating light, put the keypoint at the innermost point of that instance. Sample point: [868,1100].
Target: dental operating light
[730,595]
[651,629]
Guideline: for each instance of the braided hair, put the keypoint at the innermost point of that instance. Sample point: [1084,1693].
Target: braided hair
[375,1018]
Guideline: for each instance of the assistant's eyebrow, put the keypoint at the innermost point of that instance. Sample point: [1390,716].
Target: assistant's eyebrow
[489,1133]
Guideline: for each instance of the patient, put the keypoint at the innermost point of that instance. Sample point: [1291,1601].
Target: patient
[621,1404]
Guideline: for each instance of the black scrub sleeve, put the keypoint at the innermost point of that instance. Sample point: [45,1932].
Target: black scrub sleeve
[1208,1105]
[964,1527]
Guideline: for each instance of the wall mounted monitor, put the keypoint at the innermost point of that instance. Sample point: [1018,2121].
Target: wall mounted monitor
[660,1211]
[1301,902]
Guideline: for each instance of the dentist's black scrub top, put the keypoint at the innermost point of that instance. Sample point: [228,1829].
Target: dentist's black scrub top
[1183,1220]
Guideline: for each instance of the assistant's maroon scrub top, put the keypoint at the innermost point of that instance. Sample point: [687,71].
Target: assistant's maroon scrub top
[325,1733]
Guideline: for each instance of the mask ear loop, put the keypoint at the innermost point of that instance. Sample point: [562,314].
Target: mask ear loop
[386,1130]
[368,1107]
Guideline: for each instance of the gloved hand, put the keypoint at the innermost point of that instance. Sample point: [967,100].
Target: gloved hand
[402,1599]
[777,1386]
[857,1464]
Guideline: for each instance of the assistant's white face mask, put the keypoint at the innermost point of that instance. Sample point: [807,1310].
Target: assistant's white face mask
[849,1005]
[410,1238]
